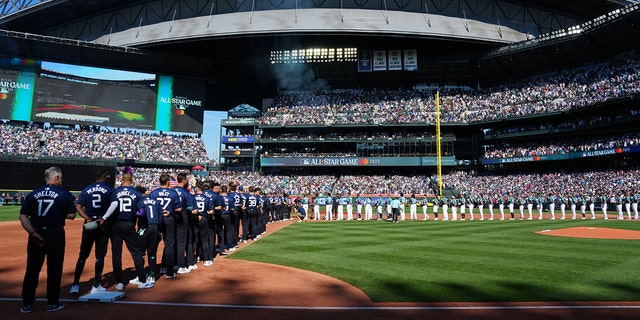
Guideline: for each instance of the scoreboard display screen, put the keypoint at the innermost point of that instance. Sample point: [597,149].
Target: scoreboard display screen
[45,91]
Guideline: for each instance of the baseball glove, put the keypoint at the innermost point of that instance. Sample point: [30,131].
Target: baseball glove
[90,226]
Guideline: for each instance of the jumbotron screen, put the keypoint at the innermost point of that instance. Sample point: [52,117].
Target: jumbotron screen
[32,90]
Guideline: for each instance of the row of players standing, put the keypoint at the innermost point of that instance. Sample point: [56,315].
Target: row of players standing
[195,225]
[529,205]
[336,207]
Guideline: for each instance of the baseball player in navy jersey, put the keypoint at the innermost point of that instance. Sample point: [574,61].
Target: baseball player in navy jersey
[268,208]
[222,223]
[286,211]
[92,203]
[230,240]
[235,210]
[263,214]
[194,245]
[215,240]
[218,206]
[288,204]
[244,220]
[204,207]
[150,213]
[251,205]
[185,209]
[124,207]
[168,200]
[43,215]
[283,206]
[275,205]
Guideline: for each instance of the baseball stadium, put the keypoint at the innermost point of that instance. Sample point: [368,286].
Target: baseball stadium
[405,159]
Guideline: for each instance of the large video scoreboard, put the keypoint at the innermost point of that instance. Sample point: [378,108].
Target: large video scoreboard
[34,90]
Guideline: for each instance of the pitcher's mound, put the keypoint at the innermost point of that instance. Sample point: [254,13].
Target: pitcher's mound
[593,233]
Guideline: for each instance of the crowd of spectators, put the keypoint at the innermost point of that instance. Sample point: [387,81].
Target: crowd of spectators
[347,136]
[36,141]
[597,183]
[308,154]
[609,183]
[299,184]
[376,184]
[548,127]
[562,147]
[545,94]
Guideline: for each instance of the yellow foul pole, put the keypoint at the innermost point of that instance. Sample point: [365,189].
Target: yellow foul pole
[438,143]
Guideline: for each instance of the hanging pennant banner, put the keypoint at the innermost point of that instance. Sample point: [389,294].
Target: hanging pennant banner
[379,60]
[364,61]
[410,60]
[395,60]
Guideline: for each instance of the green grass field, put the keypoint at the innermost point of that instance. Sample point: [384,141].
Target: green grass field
[461,260]
[484,261]
[9,213]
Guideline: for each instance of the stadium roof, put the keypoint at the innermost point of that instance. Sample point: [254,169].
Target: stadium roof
[36,15]
[461,41]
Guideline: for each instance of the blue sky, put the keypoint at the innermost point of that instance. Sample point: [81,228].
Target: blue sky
[211,132]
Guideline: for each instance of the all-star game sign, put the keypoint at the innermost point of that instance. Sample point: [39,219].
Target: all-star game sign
[181,104]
